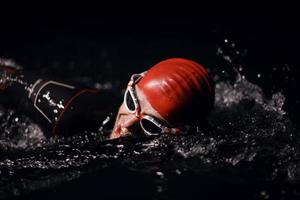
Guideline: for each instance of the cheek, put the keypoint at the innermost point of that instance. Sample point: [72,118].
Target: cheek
[123,110]
[122,116]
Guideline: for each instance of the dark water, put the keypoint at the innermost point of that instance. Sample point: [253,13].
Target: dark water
[251,150]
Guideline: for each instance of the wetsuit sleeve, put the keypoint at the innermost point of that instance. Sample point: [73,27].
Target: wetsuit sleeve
[58,107]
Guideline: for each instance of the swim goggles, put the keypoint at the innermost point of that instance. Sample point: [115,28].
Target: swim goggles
[149,124]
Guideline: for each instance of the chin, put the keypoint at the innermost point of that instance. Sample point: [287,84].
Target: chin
[116,132]
[116,129]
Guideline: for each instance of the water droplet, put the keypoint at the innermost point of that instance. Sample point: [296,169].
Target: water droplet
[219,51]
[136,152]
[160,174]
[227,58]
[159,189]
[225,40]
[258,75]
[264,194]
[107,119]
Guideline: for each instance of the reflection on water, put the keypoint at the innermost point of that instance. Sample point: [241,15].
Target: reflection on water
[250,151]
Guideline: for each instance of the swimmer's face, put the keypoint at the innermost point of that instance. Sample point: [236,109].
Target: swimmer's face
[127,123]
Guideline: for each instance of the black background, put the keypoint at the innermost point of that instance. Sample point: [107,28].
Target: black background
[262,26]
[274,23]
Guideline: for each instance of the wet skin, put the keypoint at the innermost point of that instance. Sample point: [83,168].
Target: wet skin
[128,123]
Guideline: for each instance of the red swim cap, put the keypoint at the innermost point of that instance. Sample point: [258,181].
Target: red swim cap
[180,90]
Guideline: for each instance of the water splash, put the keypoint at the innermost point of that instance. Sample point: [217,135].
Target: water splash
[228,94]
[18,131]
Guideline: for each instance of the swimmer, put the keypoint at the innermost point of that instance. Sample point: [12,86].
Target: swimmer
[169,98]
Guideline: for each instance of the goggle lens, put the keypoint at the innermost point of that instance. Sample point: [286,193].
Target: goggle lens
[129,102]
[149,127]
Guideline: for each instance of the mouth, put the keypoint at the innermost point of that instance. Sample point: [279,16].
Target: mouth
[116,132]
[120,131]
[123,125]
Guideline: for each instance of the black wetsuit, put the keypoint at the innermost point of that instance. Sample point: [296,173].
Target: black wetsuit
[59,107]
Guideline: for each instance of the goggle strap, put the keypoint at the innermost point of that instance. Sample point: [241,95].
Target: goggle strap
[135,78]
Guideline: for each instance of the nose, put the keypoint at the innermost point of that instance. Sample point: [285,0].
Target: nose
[131,121]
